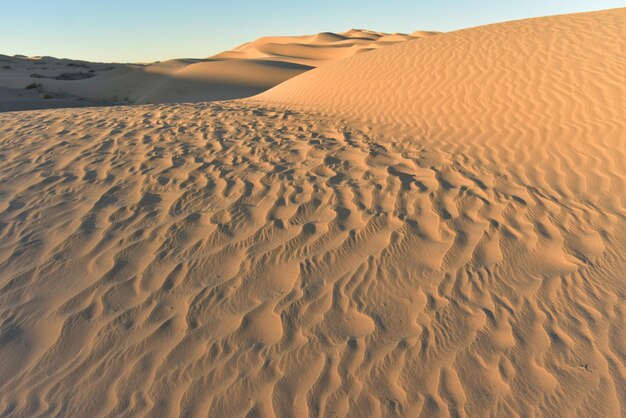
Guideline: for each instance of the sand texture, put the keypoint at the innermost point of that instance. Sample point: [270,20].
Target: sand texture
[434,228]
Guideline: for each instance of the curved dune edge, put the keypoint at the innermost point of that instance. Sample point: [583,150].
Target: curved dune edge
[245,71]
[239,259]
[546,78]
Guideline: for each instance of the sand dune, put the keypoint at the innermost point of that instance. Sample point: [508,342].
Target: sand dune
[243,72]
[515,77]
[436,228]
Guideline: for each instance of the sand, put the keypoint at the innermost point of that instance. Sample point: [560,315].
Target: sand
[245,71]
[435,228]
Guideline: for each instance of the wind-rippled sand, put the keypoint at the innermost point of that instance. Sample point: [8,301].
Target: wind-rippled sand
[267,258]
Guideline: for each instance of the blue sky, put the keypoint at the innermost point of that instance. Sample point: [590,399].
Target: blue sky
[149,30]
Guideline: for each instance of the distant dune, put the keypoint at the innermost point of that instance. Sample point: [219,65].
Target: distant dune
[436,228]
[245,71]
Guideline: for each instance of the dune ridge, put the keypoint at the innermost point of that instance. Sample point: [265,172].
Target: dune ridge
[473,82]
[358,241]
[242,72]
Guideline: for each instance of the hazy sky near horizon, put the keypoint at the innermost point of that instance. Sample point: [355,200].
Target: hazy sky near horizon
[150,30]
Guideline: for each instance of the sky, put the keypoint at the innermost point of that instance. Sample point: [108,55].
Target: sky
[151,30]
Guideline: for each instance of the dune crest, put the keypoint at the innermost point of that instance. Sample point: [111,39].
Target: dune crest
[515,78]
[242,72]
[453,245]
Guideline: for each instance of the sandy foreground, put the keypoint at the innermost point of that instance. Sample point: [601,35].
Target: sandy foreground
[435,228]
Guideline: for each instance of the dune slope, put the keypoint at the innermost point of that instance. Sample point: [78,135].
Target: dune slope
[538,78]
[242,72]
[264,257]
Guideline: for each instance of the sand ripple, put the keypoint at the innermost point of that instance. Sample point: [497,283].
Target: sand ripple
[239,260]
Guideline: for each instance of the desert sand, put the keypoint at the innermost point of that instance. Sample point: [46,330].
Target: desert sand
[434,228]
[249,69]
